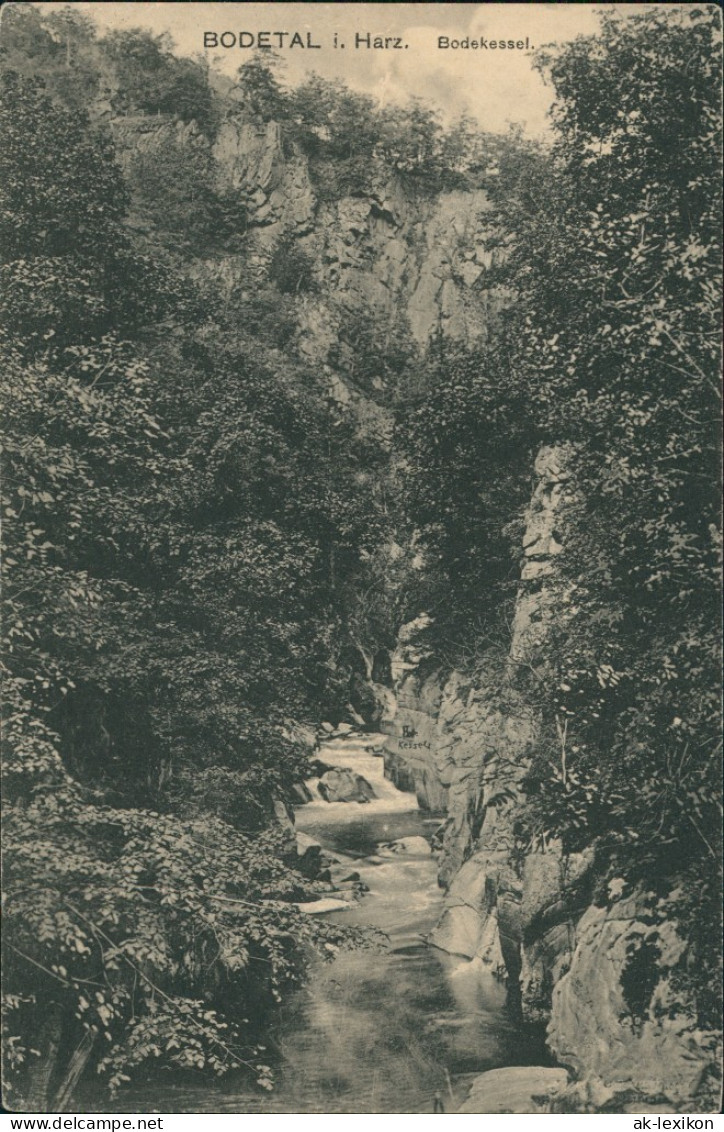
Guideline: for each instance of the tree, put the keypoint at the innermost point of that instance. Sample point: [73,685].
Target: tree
[467,440]
[68,270]
[151,79]
[175,192]
[260,88]
[291,268]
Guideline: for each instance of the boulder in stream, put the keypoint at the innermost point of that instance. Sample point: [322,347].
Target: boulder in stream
[459,929]
[518,1089]
[301,794]
[355,718]
[342,785]
[317,768]
[411,846]
[343,874]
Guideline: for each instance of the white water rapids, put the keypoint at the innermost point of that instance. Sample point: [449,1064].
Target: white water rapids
[375,1031]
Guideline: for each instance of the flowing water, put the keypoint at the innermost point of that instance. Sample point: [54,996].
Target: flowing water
[377,1031]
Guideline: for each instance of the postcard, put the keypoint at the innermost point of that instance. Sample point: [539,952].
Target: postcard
[361,552]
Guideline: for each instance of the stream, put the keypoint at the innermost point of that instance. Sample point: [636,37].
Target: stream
[371,1031]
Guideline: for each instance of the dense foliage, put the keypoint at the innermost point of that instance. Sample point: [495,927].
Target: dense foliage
[134,937]
[177,505]
[611,351]
[467,444]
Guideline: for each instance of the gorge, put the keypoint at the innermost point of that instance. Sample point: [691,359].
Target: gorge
[362,564]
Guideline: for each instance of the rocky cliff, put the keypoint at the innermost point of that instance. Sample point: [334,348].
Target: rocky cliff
[388,252]
[391,253]
[582,953]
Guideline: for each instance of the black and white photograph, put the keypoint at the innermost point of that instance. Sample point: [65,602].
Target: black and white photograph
[361,562]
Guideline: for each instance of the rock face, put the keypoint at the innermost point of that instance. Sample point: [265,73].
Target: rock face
[391,253]
[466,927]
[596,969]
[342,785]
[615,1015]
[396,254]
[275,187]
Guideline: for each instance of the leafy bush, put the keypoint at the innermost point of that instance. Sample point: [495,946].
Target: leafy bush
[175,191]
[375,351]
[173,512]
[151,79]
[140,938]
[467,441]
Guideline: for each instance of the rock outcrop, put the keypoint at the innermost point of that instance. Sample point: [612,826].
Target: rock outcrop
[342,785]
[592,966]
[391,253]
[465,742]
[616,1018]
